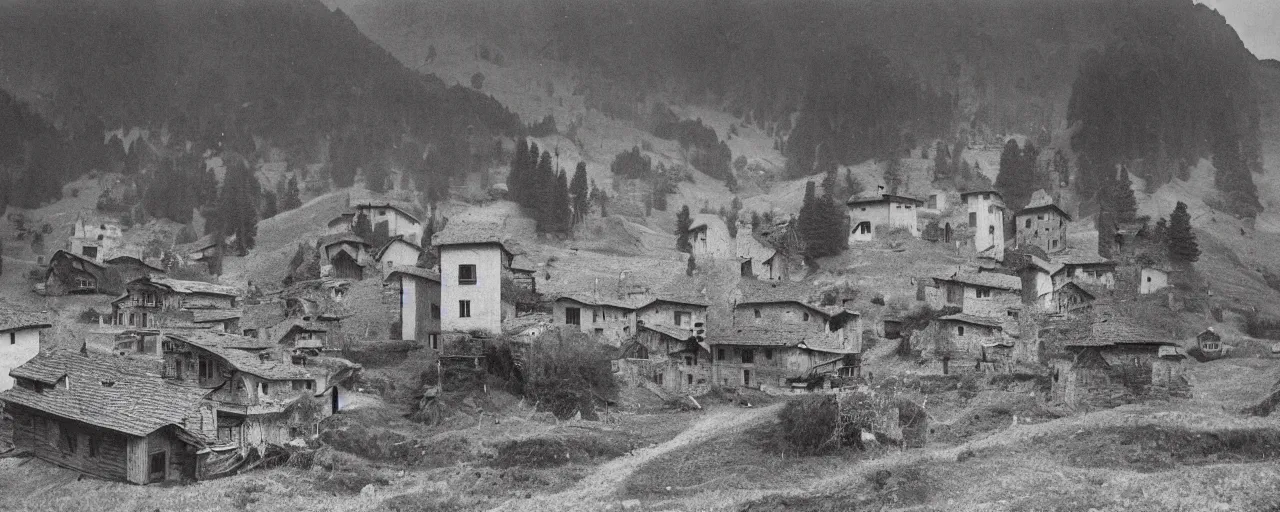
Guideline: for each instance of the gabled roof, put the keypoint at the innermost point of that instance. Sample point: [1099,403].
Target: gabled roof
[337,238]
[705,220]
[522,263]
[242,354]
[423,273]
[982,191]
[131,260]
[461,232]
[13,319]
[341,218]
[754,247]
[397,238]
[973,320]
[1087,291]
[589,299]
[884,198]
[673,332]
[764,336]
[1080,256]
[74,256]
[1041,201]
[215,315]
[987,280]
[301,326]
[1119,331]
[403,208]
[780,292]
[178,286]
[104,391]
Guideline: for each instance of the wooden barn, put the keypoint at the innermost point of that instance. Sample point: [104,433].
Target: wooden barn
[70,273]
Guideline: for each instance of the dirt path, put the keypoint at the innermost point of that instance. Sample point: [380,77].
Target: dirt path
[599,487]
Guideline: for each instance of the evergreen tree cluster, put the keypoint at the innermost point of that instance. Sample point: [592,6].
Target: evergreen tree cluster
[1180,239]
[822,224]
[236,212]
[1159,100]
[683,222]
[709,154]
[534,184]
[632,164]
[1019,176]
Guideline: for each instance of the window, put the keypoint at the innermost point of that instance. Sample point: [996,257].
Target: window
[688,379]
[299,385]
[1028,224]
[863,208]
[599,331]
[1040,217]
[991,230]
[13,338]
[959,330]
[806,316]
[973,218]
[991,208]
[626,330]
[595,315]
[435,311]
[757,313]
[466,274]
[573,316]
[984,293]
[91,252]
[1148,279]
[768,354]
[206,369]
[682,317]
[748,356]
[1055,244]
[1014,314]
[719,354]
[464,309]
[69,439]
[266,388]
[93,443]
[688,360]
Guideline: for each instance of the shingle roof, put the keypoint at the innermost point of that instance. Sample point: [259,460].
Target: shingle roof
[215,315]
[399,206]
[335,238]
[1117,331]
[424,273]
[674,332]
[135,402]
[124,260]
[765,292]
[589,299]
[463,232]
[1075,255]
[770,336]
[73,255]
[892,198]
[397,238]
[522,263]
[12,319]
[754,247]
[1040,200]
[973,320]
[705,220]
[193,287]
[987,280]
[229,348]
[983,191]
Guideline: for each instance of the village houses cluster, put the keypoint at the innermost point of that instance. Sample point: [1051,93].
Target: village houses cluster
[185,380]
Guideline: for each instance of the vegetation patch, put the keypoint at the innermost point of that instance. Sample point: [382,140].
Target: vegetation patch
[552,452]
[1159,448]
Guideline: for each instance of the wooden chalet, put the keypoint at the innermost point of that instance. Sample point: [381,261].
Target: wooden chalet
[346,254]
[71,273]
[131,268]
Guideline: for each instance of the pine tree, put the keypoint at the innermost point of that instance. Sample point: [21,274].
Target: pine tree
[562,216]
[1015,181]
[941,161]
[427,258]
[580,192]
[683,221]
[270,205]
[1181,240]
[691,266]
[290,196]
[375,176]
[361,226]
[809,223]
[1122,201]
[237,211]
[543,197]
[516,176]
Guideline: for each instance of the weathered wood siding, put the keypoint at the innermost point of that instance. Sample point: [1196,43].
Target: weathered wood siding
[42,435]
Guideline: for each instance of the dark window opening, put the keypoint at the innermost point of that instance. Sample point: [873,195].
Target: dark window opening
[748,356]
[466,274]
[464,309]
[573,316]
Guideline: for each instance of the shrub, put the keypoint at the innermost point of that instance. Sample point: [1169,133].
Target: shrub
[809,423]
[563,371]
[551,452]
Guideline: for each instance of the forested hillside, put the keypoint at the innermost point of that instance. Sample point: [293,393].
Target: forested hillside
[838,82]
[242,75]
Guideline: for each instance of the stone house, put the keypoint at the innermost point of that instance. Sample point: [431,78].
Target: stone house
[95,238]
[888,211]
[151,306]
[1210,343]
[986,211]
[396,215]
[1042,224]
[343,256]
[709,237]
[1084,266]
[1119,363]
[70,273]
[1152,278]
[262,392]
[108,417]
[606,319]
[419,304]
[474,259]
[1072,297]
[756,259]
[978,293]
[674,310]
[974,341]
[675,359]
[775,356]
[397,252]
[20,337]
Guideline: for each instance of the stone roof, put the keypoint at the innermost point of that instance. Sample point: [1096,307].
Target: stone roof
[398,238]
[706,220]
[779,292]
[126,259]
[973,320]
[673,332]
[1117,331]
[104,391]
[193,286]
[757,336]
[462,232]
[215,315]
[987,280]
[1040,200]
[75,256]
[1075,255]
[591,299]
[402,207]
[297,325]
[983,191]
[336,238]
[424,273]
[236,351]
[12,319]
[754,247]
[885,198]
[522,263]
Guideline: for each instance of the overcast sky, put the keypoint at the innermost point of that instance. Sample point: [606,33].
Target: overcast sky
[1257,22]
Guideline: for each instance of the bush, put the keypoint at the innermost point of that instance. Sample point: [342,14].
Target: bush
[551,452]
[563,371]
[809,423]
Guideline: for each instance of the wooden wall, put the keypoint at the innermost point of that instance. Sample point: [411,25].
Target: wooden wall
[42,435]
